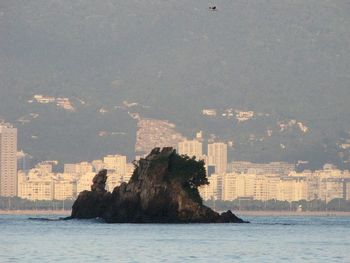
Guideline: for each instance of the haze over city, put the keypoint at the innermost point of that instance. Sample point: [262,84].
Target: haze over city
[268,80]
[166,114]
[271,77]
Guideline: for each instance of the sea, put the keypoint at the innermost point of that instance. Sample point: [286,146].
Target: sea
[43,238]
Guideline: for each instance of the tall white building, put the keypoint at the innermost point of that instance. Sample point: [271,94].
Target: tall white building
[213,190]
[191,148]
[85,182]
[8,160]
[78,168]
[217,156]
[115,162]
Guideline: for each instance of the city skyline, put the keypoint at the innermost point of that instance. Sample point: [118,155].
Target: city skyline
[229,180]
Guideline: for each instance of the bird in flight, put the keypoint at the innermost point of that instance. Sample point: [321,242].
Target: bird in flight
[213,8]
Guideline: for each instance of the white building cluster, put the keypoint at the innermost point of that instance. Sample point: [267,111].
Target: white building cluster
[228,181]
[41,183]
[61,102]
[261,184]
[216,157]
[267,181]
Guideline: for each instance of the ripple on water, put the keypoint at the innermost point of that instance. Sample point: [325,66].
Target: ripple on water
[266,239]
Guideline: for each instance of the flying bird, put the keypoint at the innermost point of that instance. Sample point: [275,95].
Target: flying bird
[213,8]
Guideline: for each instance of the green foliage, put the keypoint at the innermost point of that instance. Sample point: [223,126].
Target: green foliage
[190,172]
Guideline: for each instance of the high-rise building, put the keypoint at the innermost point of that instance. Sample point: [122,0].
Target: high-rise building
[114,179]
[292,188]
[331,188]
[84,182]
[78,168]
[217,155]
[64,187]
[245,185]
[191,148]
[97,165]
[116,163]
[35,185]
[281,168]
[213,190]
[229,191]
[8,160]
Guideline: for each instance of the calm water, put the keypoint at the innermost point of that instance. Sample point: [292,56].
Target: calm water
[266,239]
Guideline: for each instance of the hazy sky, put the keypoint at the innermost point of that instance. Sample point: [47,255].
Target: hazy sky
[286,58]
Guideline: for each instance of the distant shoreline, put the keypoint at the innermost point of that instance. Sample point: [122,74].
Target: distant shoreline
[239,213]
[35,212]
[291,213]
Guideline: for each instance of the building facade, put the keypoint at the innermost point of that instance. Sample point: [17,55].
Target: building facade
[191,148]
[8,160]
[217,156]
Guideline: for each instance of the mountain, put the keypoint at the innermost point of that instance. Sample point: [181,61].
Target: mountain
[289,60]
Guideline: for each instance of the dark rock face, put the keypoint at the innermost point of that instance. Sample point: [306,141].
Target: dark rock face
[92,204]
[156,193]
[99,182]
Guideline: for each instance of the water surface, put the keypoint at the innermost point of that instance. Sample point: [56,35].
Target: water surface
[266,239]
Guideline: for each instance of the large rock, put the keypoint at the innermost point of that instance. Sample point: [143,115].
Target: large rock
[92,204]
[162,189]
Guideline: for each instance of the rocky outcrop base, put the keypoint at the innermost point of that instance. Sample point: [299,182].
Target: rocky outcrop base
[156,193]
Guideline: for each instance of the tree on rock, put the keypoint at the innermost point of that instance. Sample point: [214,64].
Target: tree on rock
[190,172]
